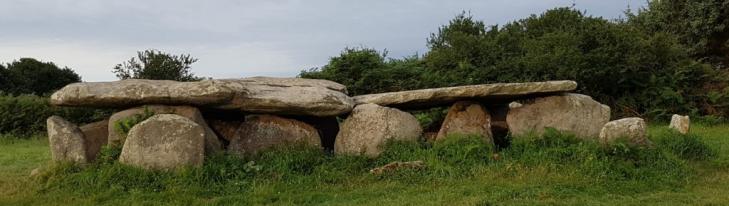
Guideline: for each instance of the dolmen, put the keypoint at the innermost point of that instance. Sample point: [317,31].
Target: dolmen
[163,124]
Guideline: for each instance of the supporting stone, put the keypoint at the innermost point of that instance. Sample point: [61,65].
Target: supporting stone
[370,126]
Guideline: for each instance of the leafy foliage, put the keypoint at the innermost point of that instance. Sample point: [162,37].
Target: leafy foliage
[701,25]
[366,70]
[26,115]
[122,126]
[30,76]
[636,72]
[154,64]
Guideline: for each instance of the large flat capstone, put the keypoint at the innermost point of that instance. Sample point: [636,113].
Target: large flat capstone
[294,96]
[446,95]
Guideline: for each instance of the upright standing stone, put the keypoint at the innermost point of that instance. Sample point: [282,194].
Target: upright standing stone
[467,118]
[212,144]
[573,113]
[370,126]
[164,141]
[96,135]
[633,129]
[66,141]
[261,132]
[680,123]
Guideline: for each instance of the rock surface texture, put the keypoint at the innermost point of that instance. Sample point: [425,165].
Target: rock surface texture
[212,144]
[447,95]
[370,126]
[680,123]
[295,96]
[66,140]
[633,129]
[467,118]
[573,113]
[95,135]
[163,142]
[260,132]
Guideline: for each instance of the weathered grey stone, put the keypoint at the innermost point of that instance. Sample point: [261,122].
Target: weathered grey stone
[439,96]
[164,141]
[212,143]
[294,96]
[680,123]
[96,135]
[261,132]
[66,140]
[574,113]
[226,129]
[370,126]
[633,129]
[467,118]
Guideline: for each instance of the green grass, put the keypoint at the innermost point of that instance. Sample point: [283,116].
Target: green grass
[555,169]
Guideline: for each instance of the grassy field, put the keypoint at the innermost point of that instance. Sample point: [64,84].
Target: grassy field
[553,170]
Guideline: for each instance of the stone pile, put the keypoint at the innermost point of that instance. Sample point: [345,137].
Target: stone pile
[190,120]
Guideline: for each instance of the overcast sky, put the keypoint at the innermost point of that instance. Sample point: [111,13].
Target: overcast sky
[243,38]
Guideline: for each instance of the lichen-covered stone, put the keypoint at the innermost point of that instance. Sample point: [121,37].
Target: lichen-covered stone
[370,126]
[163,142]
[212,143]
[261,132]
[467,118]
[96,135]
[66,140]
[294,96]
[632,129]
[680,123]
[439,96]
[573,113]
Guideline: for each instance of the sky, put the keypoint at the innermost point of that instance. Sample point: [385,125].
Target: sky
[235,39]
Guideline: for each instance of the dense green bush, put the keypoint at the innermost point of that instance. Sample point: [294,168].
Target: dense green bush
[701,25]
[635,71]
[25,115]
[30,76]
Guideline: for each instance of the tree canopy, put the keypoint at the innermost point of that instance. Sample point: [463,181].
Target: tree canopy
[701,25]
[30,76]
[634,70]
[154,64]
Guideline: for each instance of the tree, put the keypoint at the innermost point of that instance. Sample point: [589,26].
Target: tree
[154,64]
[5,83]
[30,76]
[348,68]
[702,25]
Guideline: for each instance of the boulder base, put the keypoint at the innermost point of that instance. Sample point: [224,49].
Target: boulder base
[573,113]
[260,132]
[164,141]
[212,144]
[680,123]
[633,129]
[66,140]
[370,126]
[467,118]
[96,135]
